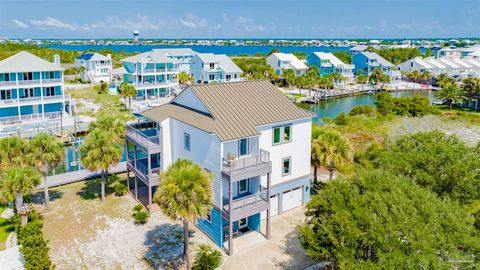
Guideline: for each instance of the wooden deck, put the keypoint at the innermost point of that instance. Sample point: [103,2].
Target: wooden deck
[72,177]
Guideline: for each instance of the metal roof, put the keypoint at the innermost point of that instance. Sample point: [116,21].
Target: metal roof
[26,62]
[153,56]
[226,64]
[236,109]
[381,60]
[92,56]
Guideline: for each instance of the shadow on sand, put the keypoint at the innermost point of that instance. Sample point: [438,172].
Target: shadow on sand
[297,255]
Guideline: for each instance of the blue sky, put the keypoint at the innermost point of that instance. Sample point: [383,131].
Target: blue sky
[239,18]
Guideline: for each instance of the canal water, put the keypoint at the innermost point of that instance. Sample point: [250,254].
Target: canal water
[327,108]
[333,107]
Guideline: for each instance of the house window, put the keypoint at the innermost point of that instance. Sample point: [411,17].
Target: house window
[276,135]
[286,166]
[212,65]
[27,76]
[211,77]
[242,147]
[5,94]
[242,223]
[234,76]
[242,186]
[49,91]
[228,77]
[287,132]
[28,92]
[186,141]
[209,216]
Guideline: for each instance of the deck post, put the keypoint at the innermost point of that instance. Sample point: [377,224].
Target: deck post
[128,178]
[149,177]
[230,222]
[136,187]
[268,209]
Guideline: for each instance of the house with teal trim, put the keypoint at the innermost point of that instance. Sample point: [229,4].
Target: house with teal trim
[247,134]
[283,61]
[153,74]
[31,94]
[328,63]
[366,62]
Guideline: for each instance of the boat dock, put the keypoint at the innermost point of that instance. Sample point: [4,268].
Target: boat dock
[81,175]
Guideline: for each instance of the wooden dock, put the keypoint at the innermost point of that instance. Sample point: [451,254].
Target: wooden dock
[72,177]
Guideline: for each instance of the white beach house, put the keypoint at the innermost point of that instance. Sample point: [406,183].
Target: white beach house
[283,61]
[209,67]
[97,67]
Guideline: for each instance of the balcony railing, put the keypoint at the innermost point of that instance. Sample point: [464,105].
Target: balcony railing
[2,83]
[28,82]
[154,83]
[135,134]
[30,117]
[231,164]
[55,80]
[248,202]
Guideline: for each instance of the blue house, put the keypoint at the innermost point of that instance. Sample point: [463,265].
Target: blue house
[366,62]
[31,90]
[328,63]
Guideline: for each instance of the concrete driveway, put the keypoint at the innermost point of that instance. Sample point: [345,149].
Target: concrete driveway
[282,251]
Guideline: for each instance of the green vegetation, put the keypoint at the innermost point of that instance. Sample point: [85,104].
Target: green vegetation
[8,49]
[416,75]
[128,91]
[6,227]
[396,55]
[207,258]
[451,94]
[184,78]
[300,55]
[34,247]
[383,220]
[73,70]
[255,68]
[185,194]
[120,189]
[409,106]
[345,57]
[140,216]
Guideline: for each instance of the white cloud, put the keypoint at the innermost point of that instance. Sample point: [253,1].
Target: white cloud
[52,23]
[225,17]
[139,23]
[20,24]
[192,21]
[248,25]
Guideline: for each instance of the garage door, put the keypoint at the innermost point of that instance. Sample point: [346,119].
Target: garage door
[292,199]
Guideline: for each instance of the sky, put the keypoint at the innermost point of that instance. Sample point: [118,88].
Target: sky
[240,18]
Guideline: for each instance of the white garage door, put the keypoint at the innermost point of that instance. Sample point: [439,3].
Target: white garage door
[274,205]
[292,199]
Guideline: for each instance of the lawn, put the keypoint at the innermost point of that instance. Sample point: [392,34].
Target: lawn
[85,233]
[6,228]
[109,104]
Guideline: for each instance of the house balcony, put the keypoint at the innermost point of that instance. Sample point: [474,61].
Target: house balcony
[145,134]
[6,120]
[246,204]
[32,100]
[140,168]
[246,167]
[149,84]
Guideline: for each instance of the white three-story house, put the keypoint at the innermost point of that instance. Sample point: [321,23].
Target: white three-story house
[209,67]
[153,74]
[97,67]
[253,140]
[31,94]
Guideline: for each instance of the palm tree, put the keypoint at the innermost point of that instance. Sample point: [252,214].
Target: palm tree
[377,76]
[99,152]
[112,125]
[426,75]
[362,79]
[290,77]
[17,182]
[184,194]
[184,78]
[316,131]
[443,79]
[450,94]
[46,150]
[127,91]
[331,149]
[11,152]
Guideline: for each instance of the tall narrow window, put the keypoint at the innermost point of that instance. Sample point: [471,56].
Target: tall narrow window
[186,141]
[242,186]
[286,166]
[287,132]
[242,147]
[276,135]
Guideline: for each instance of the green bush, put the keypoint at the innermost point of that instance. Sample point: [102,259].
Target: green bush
[120,189]
[341,119]
[403,106]
[141,217]
[207,258]
[34,247]
[363,109]
[112,179]
[102,87]
[137,207]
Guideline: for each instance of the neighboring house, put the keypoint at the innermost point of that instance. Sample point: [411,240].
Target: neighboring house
[153,74]
[209,67]
[358,49]
[97,67]
[328,63]
[31,92]
[449,52]
[247,134]
[283,61]
[419,64]
[368,61]
[182,56]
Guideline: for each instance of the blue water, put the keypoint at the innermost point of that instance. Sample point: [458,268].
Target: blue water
[333,107]
[230,50]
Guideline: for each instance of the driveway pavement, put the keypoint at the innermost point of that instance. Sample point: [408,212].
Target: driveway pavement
[282,251]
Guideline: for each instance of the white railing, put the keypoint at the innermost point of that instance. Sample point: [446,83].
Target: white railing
[154,83]
[248,201]
[232,164]
[55,80]
[138,136]
[28,81]
[30,117]
[7,83]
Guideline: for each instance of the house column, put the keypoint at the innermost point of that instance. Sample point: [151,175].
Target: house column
[136,188]
[230,222]
[41,95]
[128,179]
[149,177]
[268,209]
[18,103]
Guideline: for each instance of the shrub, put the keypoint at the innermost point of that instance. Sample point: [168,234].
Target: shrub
[141,217]
[112,179]
[363,109]
[403,106]
[34,247]
[137,207]
[120,189]
[341,119]
[207,258]
[102,87]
